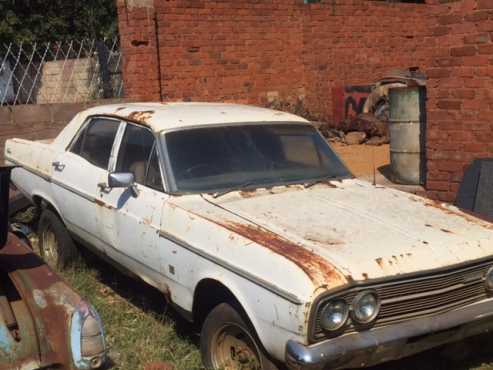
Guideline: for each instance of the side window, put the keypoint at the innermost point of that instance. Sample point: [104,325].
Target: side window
[153,179]
[135,151]
[96,141]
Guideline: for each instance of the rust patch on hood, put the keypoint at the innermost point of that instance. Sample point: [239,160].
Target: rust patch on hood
[141,116]
[467,215]
[319,270]
[248,193]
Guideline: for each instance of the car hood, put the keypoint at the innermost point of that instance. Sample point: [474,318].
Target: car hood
[365,231]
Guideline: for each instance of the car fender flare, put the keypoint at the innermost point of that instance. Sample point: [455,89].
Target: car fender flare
[243,300]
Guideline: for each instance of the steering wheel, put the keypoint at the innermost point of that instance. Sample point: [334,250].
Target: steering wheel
[200,166]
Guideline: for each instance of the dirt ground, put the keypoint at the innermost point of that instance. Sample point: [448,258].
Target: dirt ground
[362,159]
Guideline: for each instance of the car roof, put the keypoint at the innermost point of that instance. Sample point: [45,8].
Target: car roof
[173,116]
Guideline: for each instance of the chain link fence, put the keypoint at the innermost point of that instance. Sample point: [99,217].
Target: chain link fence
[60,72]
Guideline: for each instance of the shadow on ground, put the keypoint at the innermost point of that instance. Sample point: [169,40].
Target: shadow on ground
[474,353]
[140,294]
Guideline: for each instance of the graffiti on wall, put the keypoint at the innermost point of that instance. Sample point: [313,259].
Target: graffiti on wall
[348,101]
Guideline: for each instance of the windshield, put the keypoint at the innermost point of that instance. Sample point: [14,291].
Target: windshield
[213,159]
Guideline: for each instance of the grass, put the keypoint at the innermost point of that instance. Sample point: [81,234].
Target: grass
[140,329]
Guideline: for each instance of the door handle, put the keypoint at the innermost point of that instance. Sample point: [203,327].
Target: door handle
[104,188]
[58,166]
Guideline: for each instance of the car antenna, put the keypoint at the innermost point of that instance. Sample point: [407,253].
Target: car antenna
[374,166]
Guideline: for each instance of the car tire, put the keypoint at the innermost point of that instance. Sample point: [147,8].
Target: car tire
[229,342]
[55,243]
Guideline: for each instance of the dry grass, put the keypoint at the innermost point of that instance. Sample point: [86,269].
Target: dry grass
[140,329]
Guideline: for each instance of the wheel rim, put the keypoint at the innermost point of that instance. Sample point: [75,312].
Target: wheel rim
[49,248]
[233,348]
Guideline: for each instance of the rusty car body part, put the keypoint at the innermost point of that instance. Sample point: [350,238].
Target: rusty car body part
[284,252]
[319,270]
[367,348]
[50,306]
[36,308]
[379,95]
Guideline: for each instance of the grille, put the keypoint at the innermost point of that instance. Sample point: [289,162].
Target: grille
[418,297]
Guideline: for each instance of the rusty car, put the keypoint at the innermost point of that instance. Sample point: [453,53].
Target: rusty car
[251,226]
[44,323]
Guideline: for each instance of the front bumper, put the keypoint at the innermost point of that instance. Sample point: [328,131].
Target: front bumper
[392,342]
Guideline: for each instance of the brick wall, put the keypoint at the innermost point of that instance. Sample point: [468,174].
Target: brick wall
[38,122]
[460,91]
[260,51]
[257,52]
[356,42]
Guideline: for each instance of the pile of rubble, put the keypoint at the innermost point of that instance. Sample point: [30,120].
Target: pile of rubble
[363,129]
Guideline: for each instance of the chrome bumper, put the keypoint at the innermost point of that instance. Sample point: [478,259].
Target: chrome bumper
[392,342]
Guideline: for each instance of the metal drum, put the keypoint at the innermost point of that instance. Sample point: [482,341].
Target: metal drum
[407,122]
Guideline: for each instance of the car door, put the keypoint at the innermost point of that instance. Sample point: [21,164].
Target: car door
[77,173]
[133,216]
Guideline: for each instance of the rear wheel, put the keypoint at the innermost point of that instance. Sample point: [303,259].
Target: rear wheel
[56,246]
[227,342]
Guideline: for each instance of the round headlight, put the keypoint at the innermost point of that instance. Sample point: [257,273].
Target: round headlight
[488,279]
[334,315]
[366,306]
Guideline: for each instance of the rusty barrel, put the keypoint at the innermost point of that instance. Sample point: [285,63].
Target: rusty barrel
[407,123]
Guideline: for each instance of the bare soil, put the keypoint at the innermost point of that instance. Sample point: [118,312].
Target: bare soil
[362,159]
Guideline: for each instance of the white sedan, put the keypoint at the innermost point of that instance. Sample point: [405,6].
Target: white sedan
[251,225]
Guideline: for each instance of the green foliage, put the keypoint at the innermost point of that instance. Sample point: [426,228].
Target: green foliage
[56,20]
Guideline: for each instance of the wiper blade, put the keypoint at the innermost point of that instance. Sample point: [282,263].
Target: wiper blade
[309,184]
[236,188]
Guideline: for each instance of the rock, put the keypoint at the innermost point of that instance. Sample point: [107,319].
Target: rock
[159,366]
[378,140]
[367,123]
[354,138]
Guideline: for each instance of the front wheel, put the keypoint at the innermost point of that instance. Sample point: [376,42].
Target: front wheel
[56,246]
[227,342]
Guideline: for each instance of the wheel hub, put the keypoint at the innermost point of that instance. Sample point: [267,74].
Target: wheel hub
[234,349]
[49,248]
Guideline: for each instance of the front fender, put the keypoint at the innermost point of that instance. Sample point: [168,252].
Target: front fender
[274,319]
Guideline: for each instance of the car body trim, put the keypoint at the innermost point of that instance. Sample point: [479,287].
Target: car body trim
[328,352]
[240,272]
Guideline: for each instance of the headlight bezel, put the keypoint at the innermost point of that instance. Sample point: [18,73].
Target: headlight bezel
[488,284]
[346,314]
[316,332]
[357,299]
[81,361]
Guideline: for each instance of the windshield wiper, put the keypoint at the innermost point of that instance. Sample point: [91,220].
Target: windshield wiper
[309,184]
[238,187]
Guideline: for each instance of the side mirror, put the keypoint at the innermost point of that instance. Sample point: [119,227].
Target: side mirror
[123,180]
[120,180]
[4,203]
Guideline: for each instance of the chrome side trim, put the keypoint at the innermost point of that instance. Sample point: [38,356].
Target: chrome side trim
[29,169]
[240,272]
[75,229]
[53,181]
[74,191]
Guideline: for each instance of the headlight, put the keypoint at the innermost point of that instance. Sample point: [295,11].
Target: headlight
[334,315]
[366,306]
[488,279]
[87,338]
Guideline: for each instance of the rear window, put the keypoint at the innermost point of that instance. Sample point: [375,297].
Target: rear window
[96,140]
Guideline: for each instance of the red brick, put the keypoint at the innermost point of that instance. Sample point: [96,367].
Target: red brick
[438,185]
[481,38]
[463,51]
[485,4]
[486,49]
[450,19]
[449,104]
